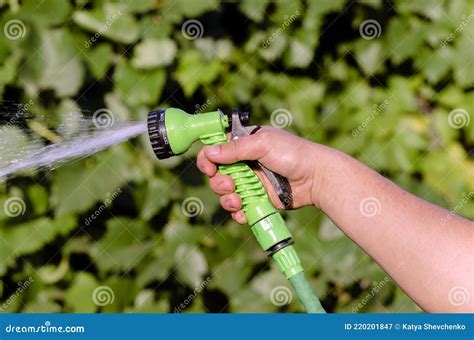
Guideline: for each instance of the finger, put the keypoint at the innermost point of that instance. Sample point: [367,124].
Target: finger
[205,165]
[231,202]
[244,148]
[239,217]
[222,184]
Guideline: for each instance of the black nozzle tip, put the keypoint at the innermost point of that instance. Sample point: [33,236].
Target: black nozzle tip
[157,133]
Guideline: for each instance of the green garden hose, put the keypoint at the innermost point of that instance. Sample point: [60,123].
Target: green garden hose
[254,198]
[173,131]
[305,293]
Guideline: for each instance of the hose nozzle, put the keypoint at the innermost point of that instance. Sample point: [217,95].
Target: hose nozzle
[172,131]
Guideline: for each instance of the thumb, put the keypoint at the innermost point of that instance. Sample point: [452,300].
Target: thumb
[241,149]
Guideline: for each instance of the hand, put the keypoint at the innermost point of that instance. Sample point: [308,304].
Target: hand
[407,236]
[285,154]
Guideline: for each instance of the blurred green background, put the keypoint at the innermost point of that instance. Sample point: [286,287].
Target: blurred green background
[388,82]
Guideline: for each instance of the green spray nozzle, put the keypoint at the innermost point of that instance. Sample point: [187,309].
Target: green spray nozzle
[172,132]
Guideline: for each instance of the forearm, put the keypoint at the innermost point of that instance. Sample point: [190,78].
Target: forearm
[424,251]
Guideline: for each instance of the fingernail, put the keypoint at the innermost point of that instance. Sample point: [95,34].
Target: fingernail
[213,150]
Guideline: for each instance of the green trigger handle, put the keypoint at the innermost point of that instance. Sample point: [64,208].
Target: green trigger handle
[172,132]
[265,221]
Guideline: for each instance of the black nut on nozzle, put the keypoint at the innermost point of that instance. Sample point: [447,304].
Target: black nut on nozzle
[244,117]
[157,133]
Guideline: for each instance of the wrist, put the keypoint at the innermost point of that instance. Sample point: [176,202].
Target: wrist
[327,163]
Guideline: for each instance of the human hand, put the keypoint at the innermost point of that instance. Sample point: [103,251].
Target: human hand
[282,152]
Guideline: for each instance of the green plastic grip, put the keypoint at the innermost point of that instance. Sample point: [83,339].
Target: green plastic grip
[265,221]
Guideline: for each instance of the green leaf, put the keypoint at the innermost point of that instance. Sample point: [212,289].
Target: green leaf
[39,199]
[407,47]
[194,71]
[151,53]
[123,245]
[8,71]
[59,68]
[157,270]
[231,275]
[13,143]
[71,121]
[299,55]
[192,9]
[50,12]
[153,198]
[369,55]
[123,292]
[29,237]
[98,59]
[255,10]
[79,186]
[145,303]
[434,64]
[138,87]
[328,231]
[190,265]
[79,296]
[462,58]
[112,21]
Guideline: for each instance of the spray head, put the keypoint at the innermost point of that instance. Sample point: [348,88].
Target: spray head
[157,133]
[172,131]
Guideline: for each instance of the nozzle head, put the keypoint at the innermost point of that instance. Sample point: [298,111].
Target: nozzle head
[157,133]
[172,131]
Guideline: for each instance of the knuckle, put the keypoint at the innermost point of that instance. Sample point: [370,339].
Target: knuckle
[267,133]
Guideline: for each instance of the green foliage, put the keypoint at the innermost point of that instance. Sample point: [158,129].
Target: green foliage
[307,57]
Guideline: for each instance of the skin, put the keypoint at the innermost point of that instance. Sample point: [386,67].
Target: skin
[426,249]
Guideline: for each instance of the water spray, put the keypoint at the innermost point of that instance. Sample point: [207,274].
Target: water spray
[173,131]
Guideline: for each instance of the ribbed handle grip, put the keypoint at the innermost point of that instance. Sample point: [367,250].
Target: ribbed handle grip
[255,202]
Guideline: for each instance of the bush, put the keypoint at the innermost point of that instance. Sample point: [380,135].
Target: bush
[390,83]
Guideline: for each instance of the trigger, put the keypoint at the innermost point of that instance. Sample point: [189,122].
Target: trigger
[279,183]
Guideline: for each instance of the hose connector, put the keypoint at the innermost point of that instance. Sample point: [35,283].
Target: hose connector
[288,261]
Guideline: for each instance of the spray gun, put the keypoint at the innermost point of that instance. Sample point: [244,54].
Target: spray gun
[173,131]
